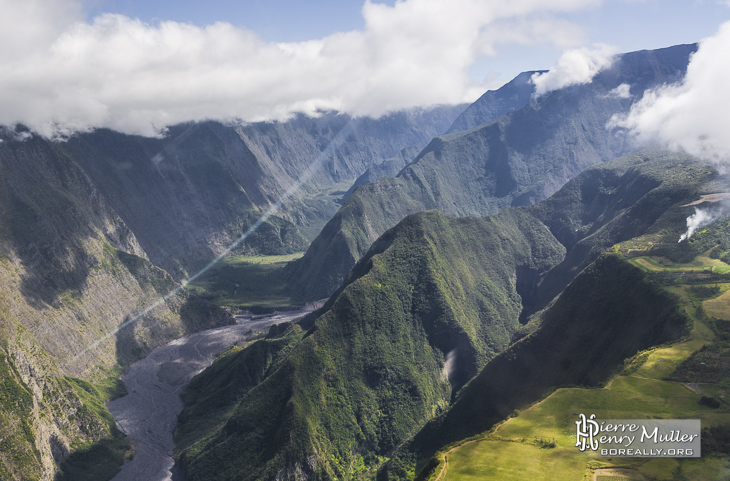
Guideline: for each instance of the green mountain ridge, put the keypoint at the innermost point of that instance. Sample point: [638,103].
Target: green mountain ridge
[607,314]
[518,159]
[433,302]
[428,290]
[493,104]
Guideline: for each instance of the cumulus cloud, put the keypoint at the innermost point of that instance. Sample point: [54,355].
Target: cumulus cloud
[575,66]
[693,114]
[62,74]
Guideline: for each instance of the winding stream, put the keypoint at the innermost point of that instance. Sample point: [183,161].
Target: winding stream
[148,414]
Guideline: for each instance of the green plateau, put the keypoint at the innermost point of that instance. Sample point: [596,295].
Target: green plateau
[247,283]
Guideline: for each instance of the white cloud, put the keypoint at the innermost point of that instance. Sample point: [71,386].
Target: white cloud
[623,91]
[575,66]
[61,74]
[692,115]
[531,30]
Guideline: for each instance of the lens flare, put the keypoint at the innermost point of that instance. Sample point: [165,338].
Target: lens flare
[312,168]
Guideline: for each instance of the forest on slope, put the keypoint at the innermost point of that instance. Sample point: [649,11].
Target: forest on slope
[435,303]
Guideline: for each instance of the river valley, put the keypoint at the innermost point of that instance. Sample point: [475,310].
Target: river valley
[148,414]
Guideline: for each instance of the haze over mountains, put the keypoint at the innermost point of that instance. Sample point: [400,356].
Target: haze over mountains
[435,235]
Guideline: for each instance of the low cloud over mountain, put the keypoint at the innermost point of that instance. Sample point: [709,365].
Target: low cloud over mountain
[575,67]
[691,115]
[62,74]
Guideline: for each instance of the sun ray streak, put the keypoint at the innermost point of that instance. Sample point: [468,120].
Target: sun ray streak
[313,167]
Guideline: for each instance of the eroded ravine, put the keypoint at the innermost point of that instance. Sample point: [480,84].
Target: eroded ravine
[148,414]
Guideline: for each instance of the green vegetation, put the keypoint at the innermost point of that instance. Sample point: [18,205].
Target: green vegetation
[610,312]
[653,385]
[100,448]
[710,364]
[719,307]
[433,289]
[99,461]
[146,273]
[20,458]
[78,217]
[699,264]
[211,396]
[371,368]
[716,439]
[246,282]
[107,448]
[279,259]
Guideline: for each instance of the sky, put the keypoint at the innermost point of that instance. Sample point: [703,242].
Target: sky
[627,24]
[139,66]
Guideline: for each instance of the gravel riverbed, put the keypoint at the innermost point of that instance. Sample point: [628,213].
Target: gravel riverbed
[148,414]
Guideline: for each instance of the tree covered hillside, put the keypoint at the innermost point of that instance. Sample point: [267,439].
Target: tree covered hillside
[429,306]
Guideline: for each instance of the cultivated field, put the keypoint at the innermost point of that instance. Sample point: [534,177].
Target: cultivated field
[516,449]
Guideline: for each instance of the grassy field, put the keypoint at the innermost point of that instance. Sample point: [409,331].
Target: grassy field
[700,264]
[510,451]
[246,282]
[718,307]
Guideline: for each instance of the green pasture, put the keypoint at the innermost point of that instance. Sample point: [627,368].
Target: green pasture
[246,282]
[718,307]
[509,451]
[699,264]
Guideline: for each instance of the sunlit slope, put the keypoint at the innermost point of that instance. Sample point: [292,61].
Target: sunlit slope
[647,209]
[433,300]
[686,380]
[640,194]
[608,313]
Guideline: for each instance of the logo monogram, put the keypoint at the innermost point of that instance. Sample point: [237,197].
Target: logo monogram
[586,429]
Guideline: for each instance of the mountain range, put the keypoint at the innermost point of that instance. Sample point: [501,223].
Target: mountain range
[519,158]
[436,302]
[465,256]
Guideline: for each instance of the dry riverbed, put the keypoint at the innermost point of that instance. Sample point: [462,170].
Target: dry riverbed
[148,414]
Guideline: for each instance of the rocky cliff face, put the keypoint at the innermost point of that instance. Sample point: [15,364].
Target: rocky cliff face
[71,272]
[191,194]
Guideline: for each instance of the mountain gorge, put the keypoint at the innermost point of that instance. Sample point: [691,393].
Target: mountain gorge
[96,231]
[429,290]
